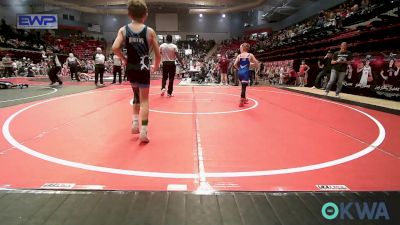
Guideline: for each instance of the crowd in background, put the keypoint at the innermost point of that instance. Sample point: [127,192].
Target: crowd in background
[346,20]
[198,47]
[327,20]
[28,68]
[33,40]
[385,71]
[331,19]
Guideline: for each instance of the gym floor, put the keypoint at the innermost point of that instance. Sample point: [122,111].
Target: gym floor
[78,137]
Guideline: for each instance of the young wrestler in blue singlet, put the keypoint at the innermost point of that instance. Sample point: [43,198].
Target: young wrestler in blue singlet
[242,64]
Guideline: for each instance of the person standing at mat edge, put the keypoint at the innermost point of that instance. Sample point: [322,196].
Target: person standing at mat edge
[223,64]
[242,64]
[169,53]
[99,61]
[117,68]
[8,67]
[73,64]
[54,67]
[326,67]
[139,41]
[340,62]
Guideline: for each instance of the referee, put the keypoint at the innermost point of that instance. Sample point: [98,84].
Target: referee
[72,63]
[117,68]
[99,61]
[169,53]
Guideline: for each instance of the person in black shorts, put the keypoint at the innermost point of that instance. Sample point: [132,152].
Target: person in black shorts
[139,40]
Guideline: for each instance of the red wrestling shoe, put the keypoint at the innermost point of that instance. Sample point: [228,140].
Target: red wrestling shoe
[241,104]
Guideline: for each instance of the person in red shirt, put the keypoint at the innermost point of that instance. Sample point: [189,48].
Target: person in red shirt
[223,67]
[292,75]
[303,73]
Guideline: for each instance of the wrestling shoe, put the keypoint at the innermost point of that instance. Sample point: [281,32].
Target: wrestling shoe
[135,127]
[241,104]
[143,136]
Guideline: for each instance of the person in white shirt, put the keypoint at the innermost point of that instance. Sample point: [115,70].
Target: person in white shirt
[169,53]
[281,72]
[73,64]
[117,65]
[99,61]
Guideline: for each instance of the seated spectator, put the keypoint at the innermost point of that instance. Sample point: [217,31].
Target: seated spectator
[364,4]
[321,20]
[338,20]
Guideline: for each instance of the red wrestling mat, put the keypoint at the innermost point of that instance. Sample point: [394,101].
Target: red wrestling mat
[199,140]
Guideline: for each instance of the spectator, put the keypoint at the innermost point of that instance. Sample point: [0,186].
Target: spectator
[282,75]
[292,75]
[320,20]
[338,20]
[223,68]
[8,67]
[341,60]
[303,73]
[326,67]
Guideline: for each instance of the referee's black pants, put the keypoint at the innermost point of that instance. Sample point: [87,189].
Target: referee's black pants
[168,70]
[99,72]
[74,72]
[117,69]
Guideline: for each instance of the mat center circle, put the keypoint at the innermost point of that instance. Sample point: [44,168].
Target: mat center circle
[198,103]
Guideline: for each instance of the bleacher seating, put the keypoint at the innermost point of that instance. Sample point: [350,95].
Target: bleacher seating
[308,41]
[33,43]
